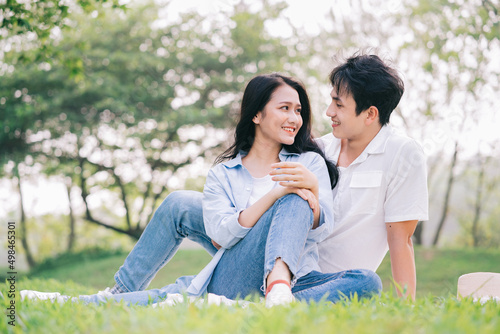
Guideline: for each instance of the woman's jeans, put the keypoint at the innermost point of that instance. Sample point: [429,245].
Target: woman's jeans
[242,268]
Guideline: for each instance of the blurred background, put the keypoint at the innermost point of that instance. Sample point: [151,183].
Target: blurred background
[108,106]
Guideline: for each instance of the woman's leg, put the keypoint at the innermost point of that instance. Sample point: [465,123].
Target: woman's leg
[336,286]
[179,216]
[281,232]
[140,297]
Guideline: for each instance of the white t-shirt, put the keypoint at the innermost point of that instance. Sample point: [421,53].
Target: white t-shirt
[261,186]
[386,183]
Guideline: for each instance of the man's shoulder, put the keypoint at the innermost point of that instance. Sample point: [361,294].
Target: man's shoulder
[400,142]
[326,139]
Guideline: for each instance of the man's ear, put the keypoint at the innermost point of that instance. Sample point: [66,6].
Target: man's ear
[371,115]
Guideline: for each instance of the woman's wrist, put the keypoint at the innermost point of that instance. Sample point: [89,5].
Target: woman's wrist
[279,192]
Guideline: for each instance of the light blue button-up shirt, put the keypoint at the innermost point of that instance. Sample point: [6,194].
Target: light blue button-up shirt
[226,193]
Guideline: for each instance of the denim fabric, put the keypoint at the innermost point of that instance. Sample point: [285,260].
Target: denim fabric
[178,217]
[240,270]
[141,297]
[281,232]
[226,194]
[317,286]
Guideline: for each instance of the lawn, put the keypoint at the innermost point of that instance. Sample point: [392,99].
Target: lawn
[436,309]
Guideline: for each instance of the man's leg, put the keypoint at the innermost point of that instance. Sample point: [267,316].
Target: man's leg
[334,287]
[179,216]
[281,232]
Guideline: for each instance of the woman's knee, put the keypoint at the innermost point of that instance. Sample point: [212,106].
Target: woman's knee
[181,201]
[294,201]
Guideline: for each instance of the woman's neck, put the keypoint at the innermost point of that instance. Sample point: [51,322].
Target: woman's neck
[259,159]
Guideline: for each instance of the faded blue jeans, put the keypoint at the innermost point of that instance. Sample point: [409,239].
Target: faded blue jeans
[241,269]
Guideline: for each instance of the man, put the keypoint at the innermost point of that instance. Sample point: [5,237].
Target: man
[382,192]
[380,197]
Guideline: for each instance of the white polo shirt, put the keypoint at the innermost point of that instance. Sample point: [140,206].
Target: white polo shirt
[386,183]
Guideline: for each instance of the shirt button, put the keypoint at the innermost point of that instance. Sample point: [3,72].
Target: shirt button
[248,189]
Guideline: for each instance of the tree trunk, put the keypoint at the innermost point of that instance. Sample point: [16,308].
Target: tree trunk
[71,237]
[446,204]
[481,193]
[134,233]
[22,224]
[417,235]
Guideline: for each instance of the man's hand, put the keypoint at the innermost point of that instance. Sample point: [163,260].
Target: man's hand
[294,174]
[216,245]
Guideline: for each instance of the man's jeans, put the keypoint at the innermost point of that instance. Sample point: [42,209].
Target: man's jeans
[242,268]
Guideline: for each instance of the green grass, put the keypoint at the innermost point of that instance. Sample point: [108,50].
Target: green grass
[385,314]
[437,270]
[436,309]
[98,273]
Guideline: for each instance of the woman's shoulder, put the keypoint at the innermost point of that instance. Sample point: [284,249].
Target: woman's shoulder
[224,167]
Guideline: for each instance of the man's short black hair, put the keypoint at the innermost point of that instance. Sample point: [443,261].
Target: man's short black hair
[370,82]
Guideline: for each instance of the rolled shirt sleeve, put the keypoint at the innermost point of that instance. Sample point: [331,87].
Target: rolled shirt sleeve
[220,213]
[407,194]
[326,218]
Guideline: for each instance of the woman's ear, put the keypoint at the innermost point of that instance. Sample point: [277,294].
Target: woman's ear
[256,119]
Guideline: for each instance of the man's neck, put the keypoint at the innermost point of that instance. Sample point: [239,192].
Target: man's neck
[351,148]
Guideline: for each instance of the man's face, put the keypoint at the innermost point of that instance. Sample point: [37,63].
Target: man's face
[345,123]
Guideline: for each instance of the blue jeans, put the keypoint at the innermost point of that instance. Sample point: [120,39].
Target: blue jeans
[179,216]
[281,232]
[242,268]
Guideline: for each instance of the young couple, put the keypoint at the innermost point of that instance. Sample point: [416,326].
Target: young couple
[279,217]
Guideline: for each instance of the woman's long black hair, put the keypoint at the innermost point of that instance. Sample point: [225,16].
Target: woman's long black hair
[257,94]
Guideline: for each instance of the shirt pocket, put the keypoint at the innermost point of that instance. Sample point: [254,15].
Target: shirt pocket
[365,192]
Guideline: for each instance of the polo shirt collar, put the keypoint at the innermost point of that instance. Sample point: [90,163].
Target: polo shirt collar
[379,142]
[237,160]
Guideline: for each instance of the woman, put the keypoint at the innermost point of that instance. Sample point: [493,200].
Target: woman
[271,237]
[267,232]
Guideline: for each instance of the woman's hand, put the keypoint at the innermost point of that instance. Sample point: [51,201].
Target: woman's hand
[294,174]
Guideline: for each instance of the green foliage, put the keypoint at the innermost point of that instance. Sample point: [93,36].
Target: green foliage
[488,230]
[23,19]
[120,104]
[143,104]
[454,38]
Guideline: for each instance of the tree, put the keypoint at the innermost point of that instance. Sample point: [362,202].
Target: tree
[145,103]
[480,182]
[455,43]
[34,23]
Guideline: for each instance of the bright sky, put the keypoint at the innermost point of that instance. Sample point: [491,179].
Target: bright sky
[304,13]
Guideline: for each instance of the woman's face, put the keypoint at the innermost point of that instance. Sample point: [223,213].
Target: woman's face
[280,120]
